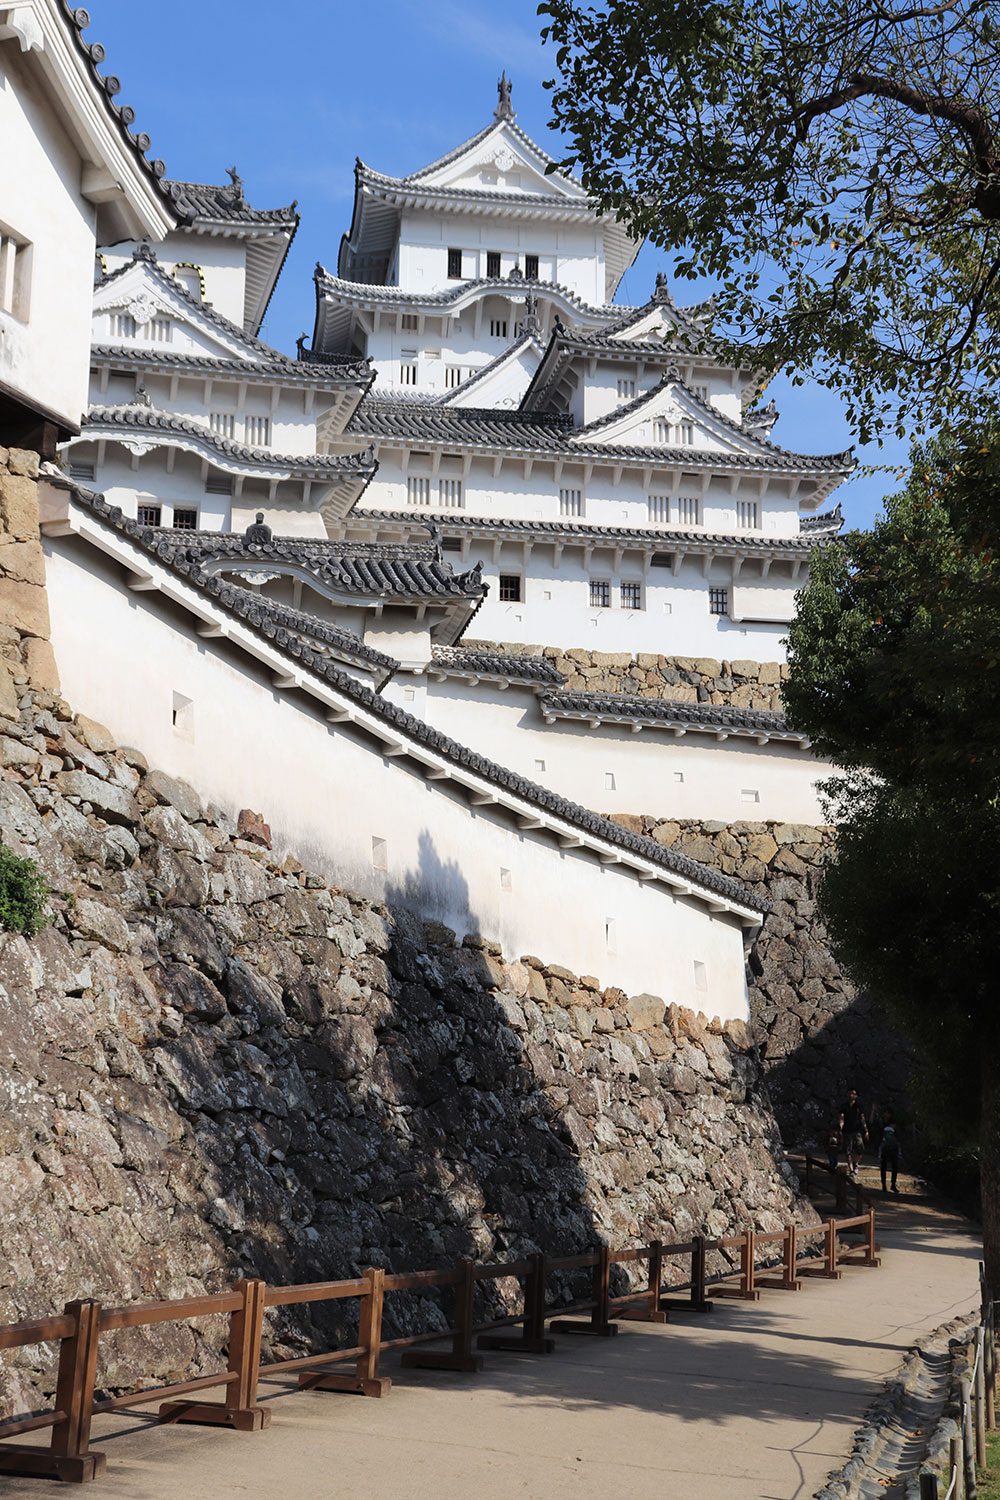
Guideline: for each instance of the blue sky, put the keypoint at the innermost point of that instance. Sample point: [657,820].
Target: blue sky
[293,95]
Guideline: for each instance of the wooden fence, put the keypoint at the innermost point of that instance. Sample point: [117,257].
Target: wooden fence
[775,1260]
[977,1386]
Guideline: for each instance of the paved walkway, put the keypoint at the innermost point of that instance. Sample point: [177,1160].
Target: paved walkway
[751,1402]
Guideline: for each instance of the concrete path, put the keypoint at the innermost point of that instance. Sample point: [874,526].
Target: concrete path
[751,1402]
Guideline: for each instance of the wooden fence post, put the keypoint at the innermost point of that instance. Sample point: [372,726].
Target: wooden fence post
[532,1339]
[599,1325]
[239,1410]
[789,1278]
[461,1356]
[968,1439]
[70,1448]
[980,1392]
[956,1467]
[654,1312]
[366,1381]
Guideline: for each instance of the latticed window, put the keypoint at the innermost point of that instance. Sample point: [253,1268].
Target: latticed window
[185,519]
[123,326]
[747,515]
[626,390]
[571,502]
[223,423]
[85,472]
[600,593]
[718,601]
[452,376]
[450,496]
[685,434]
[688,510]
[631,595]
[661,432]
[219,484]
[493,262]
[408,367]
[161,331]
[531,267]
[510,588]
[498,328]
[658,507]
[455,265]
[149,515]
[418,490]
[409,323]
[259,432]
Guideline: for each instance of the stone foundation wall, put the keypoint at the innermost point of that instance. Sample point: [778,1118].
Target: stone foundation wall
[817,1035]
[25,649]
[686,679]
[213,1064]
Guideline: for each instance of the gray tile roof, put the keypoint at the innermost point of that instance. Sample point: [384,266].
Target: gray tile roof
[278,368]
[493,430]
[828,524]
[362,291]
[523,341]
[123,115]
[460,756]
[655,541]
[753,723]
[260,611]
[138,418]
[226,204]
[384,570]
[480,661]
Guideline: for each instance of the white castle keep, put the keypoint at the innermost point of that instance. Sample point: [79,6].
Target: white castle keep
[311,585]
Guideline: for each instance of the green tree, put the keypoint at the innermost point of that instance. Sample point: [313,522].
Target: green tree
[894,660]
[832,166]
[22,894]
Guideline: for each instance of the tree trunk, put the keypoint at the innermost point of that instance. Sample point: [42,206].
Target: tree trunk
[989,1160]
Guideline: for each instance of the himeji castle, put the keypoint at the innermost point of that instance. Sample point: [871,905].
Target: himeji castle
[479,451]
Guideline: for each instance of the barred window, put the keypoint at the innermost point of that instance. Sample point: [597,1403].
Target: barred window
[718,601]
[161,331]
[571,502]
[408,323]
[258,432]
[408,367]
[219,484]
[185,519]
[510,588]
[455,265]
[223,423]
[498,328]
[149,515]
[418,490]
[531,267]
[493,262]
[747,515]
[600,593]
[688,510]
[123,326]
[626,390]
[452,376]
[631,595]
[87,472]
[658,507]
[450,496]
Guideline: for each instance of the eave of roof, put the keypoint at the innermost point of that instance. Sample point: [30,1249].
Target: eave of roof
[745,544]
[375,294]
[501,666]
[225,205]
[720,720]
[353,374]
[258,608]
[112,420]
[701,882]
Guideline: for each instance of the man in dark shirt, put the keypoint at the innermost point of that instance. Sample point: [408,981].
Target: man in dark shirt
[855,1131]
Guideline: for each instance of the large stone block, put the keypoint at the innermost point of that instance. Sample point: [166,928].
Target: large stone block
[25,607]
[23,561]
[40,664]
[18,507]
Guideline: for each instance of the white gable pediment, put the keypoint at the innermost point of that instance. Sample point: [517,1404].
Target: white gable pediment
[669,416]
[503,382]
[656,323]
[141,297]
[503,160]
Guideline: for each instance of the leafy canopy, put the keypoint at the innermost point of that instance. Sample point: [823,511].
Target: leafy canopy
[832,166]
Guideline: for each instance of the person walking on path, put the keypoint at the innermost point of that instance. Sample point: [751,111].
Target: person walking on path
[855,1131]
[834,1143]
[889,1153]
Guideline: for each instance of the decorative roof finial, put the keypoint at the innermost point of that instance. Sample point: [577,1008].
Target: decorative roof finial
[300,346]
[661,292]
[237,184]
[257,535]
[504,109]
[531,323]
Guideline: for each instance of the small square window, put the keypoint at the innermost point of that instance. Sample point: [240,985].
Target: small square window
[679,777]
[718,601]
[749,794]
[600,593]
[700,976]
[185,519]
[531,267]
[149,515]
[539,765]
[493,262]
[409,695]
[609,781]
[510,588]
[455,265]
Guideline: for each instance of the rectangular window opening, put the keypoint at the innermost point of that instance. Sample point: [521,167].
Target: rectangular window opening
[631,595]
[185,518]
[531,267]
[219,484]
[418,490]
[380,854]
[498,328]
[688,510]
[506,883]
[258,432]
[626,390]
[408,323]
[750,794]
[747,515]
[600,593]
[15,275]
[182,716]
[718,601]
[452,376]
[610,936]
[658,509]
[223,423]
[450,494]
[609,781]
[700,976]
[510,588]
[493,263]
[87,472]
[149,515]
[455,265]
[539,766]
[571,502]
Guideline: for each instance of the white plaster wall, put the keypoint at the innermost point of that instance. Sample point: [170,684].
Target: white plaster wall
[44,358]
[611,769]
[327,795]
[570,254]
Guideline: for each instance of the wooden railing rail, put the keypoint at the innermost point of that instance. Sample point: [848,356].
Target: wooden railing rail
[79,1328]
